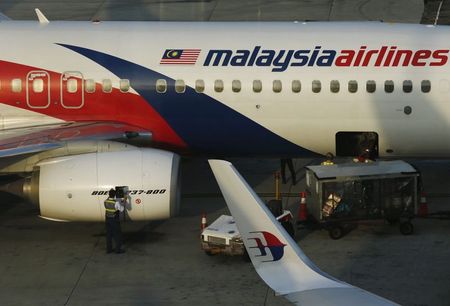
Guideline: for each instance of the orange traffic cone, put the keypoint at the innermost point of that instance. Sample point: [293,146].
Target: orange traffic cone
[423,206]
[204,223]
[302,210]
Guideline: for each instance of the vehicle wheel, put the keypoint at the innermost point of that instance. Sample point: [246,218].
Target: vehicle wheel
[336,232]
[209,253]
[406,228]
[392,220]
[289,228]
[275,207]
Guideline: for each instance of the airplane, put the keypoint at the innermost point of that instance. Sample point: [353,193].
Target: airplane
[277,258]
[86,106]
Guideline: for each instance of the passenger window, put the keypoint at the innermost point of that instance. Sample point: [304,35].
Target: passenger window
[296,86]
[277,86]
[352,86]
[180,87]
[218,85]
[334,86]
[107,85]
[161,86]
[426,86]
[316,86]
[371,86]
[407,86]
[72,86]
[124,85]
[389,86]
[16,85]
[199,86]
[257,86]
[38,85]
[236,86]
[89,85]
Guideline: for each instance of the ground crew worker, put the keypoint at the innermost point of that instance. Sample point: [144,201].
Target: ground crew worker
[329,160]
[290,164]
[113,208]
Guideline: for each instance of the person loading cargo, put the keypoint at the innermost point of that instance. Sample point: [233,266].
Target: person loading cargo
[113,208]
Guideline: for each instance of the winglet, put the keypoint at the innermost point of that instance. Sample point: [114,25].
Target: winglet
[41,17]
[4,17]
[277,258]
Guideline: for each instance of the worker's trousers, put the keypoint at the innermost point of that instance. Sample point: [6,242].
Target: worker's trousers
[113,232]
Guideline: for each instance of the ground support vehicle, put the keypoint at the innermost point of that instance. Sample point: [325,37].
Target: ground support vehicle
[340,195]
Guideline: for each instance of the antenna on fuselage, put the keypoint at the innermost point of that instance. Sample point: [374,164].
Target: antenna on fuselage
[41,17]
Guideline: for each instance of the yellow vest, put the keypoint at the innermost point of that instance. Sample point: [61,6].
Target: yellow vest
[110,209]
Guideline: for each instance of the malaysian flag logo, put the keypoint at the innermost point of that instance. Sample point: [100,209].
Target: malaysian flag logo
[180,56]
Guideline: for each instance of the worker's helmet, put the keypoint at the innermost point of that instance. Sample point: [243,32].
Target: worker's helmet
[112,193]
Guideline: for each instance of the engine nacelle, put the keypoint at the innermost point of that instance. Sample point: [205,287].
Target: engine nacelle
[73,188]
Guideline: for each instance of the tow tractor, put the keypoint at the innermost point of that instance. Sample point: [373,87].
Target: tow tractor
[222,236]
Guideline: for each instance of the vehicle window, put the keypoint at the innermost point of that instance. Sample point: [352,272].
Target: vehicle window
[124,85]
[89,85]
[218,85]
[72,85]
[296,86]
[277,86]
[389,86]
[199,86]
[161,86]
[371,86]
[16,85]
[426,86]
[352,86]
[316,86]
[236,86]
[107,85]
[180,87]
[407,86]
[38,85]
[334,86]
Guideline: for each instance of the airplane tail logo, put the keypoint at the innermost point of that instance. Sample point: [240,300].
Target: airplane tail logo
[272,244]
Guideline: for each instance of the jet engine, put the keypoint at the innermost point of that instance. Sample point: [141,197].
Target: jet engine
[73,188]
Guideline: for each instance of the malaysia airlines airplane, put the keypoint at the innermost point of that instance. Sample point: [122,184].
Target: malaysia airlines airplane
[85,106]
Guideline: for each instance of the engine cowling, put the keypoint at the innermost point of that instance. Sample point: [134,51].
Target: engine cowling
[73,188]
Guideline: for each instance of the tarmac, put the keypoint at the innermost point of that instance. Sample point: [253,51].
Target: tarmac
[49,263]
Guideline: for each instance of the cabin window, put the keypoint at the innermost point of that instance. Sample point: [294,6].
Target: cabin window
[334,86]
[371,86]
[407,86]
[352,86]
[161,86]
[199,86]
[107,85]
[72,85]
[316,86]
[426,86]
[16,85]
[277,86]
[236,86]
[257,86]
[89,85]
[124,85]
[218,85]
[38,85]
[180,87]
[296,86]
[389,86]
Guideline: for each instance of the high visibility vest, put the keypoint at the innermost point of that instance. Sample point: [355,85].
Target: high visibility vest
[110,209]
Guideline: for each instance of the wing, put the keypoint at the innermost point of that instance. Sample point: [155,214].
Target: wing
[3,17]
[277,258]
[19,141]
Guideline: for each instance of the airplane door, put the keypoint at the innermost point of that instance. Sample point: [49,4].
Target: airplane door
[38,89]
[72,90]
